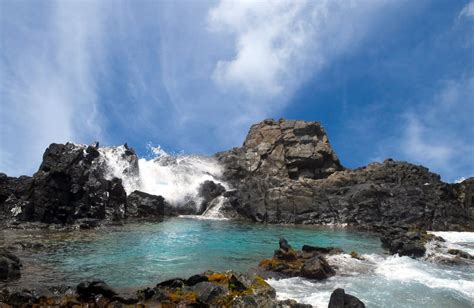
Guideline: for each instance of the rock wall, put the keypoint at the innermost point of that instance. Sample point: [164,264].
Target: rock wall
[287,172]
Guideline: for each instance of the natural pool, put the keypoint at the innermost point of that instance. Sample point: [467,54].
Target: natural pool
[142,254]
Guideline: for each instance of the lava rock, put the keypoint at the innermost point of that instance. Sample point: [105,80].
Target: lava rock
[208,191]
[144,205]
[90,289]
[290,263]
[71,184]
[317,268]
[287,172]
[10,266]
[339,299]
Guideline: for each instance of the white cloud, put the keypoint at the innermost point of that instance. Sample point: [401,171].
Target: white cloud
[467,10]
[278,44]
[47,86]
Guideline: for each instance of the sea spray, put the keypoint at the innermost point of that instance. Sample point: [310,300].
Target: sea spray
[175,177]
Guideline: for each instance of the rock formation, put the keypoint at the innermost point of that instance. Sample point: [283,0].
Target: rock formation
[70,185]
[310,262]
[287,172]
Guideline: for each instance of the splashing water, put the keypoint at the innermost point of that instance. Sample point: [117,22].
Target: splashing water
[214,210]
[175,177]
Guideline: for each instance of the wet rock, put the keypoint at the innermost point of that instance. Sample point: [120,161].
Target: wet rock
[310,264]
[402,241]
[317,268]
[191,281]
[144,205]
[322,250]
[339,299]
[460,253]
[90,289]
[10,266]
[208,191]
[207,291]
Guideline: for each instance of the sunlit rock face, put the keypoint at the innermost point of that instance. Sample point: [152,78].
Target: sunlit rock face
[286,148]
[287,172]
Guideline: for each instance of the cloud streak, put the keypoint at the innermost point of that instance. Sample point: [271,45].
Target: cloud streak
[47,83]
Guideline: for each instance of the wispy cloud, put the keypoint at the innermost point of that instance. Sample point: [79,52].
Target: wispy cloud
[278,44]
[467,10]
[432,131]
[47,86]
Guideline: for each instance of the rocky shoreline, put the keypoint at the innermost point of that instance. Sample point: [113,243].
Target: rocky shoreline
[286,172]
[209,289]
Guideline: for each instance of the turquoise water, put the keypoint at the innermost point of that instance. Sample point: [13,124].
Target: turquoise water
[145,253]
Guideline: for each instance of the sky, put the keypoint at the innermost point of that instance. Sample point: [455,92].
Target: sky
[387,79]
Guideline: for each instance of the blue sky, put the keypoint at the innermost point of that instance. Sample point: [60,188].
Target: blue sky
[385,78]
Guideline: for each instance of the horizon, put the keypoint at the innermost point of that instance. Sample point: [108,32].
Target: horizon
[385,79]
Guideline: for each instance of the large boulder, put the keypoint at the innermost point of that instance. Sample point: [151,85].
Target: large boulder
[143,205]
[287,172]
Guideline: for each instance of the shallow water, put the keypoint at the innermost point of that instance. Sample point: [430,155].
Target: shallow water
[142,254]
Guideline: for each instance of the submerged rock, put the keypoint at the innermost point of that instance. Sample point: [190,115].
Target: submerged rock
[339,299]
[287,262]
[10,266]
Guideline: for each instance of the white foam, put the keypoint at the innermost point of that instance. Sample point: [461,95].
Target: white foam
[214,209]
[407,270]
[455,237]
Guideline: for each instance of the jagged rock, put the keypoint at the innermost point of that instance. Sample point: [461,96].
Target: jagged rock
[70,184]
[400,240]
[208,191]
[287,262]
[287,172]
[339,299]
[10,266]
[143,205]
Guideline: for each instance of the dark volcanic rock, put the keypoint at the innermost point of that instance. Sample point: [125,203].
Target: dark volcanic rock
[339,299]
[287,262]
[287,172]
[209,191]
[89,289]
[10,266]
[405,242]
[143,205]
[70,184]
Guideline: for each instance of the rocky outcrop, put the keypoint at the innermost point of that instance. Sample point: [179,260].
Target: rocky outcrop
[227,289]
[308,263]
[287,172]
[340,299]
[10,266]
[71,184]
[405,241]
